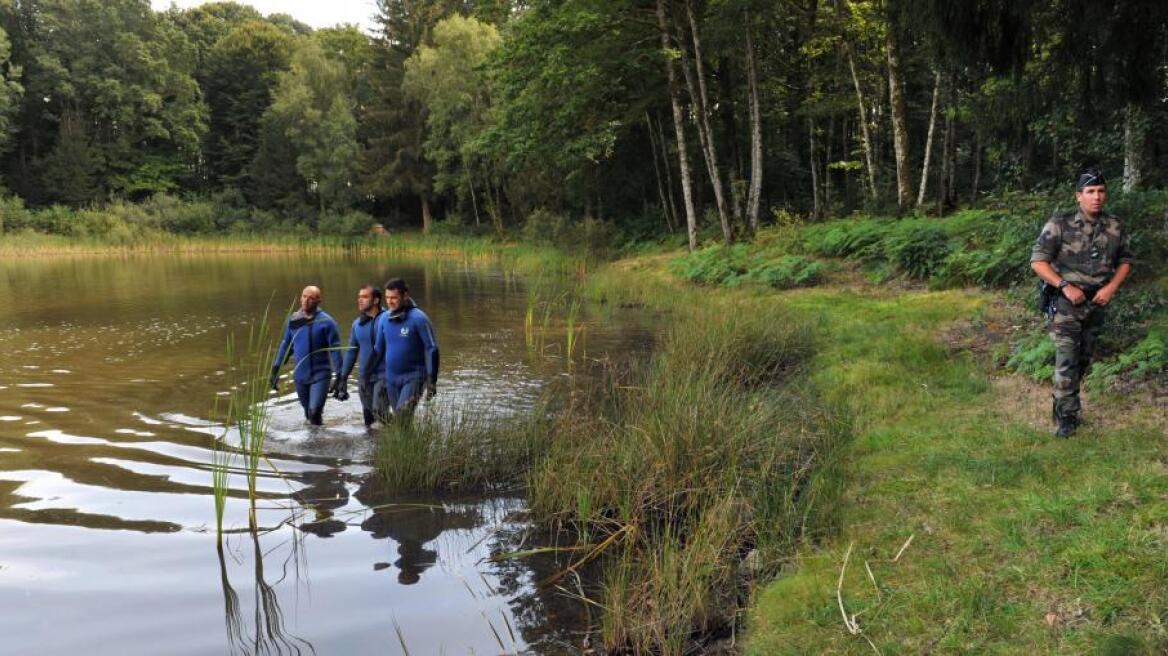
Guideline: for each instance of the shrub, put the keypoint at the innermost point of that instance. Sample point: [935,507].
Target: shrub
[593,236]
[918,249]
[1149,357]
[715,265]
[787,272]
[1033,356]
[350,224]
[13,214]
[179,216]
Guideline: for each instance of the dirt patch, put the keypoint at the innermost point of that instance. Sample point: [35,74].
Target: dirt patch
[989,334]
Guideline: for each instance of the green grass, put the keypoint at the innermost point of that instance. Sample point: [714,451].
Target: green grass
[1021,544]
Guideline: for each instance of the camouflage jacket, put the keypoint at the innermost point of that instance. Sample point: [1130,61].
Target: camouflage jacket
[1083,251]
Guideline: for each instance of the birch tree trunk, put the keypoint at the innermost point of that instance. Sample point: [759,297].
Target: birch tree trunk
[899,123]
[865,132]
[1134,134]
[753,197]
[929,140]
[700,101]
[816,208]
[691,221]
[976,167]
[427,218]
[657,173]
[668,170]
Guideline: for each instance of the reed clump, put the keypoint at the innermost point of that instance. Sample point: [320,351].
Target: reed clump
[716,448]
[466,448]
[668,471]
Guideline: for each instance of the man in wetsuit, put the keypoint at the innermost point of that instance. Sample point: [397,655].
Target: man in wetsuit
[311,335]
[371,375]
[1086,255]
[406,344]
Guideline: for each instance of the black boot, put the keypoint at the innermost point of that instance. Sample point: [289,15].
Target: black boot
[1066,426]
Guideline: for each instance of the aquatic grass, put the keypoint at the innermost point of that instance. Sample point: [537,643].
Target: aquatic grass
[471,447]
[247,408]
[570,334]
[707,452]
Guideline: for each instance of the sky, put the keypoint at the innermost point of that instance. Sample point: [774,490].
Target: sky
[317,13]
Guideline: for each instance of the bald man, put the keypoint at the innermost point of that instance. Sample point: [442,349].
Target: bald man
[311,335]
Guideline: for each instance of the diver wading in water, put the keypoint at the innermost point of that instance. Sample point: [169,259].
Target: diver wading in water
[406,343]
[311,335]
[371,375]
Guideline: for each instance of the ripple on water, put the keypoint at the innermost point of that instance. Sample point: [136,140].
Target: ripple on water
[135,433]
[10,417]
[61,437]
[35,385]
[57,408]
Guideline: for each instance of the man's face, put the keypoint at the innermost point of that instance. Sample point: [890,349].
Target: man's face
[394,299]
[309,299]
[1091,199]
[365,300]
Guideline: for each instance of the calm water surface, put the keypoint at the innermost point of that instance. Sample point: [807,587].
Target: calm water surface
[110,373]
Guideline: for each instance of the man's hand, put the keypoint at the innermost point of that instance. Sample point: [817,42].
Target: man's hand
[334,386]
[274,380]
[1104,295]
[1075,295]
[431,390]
[341,391]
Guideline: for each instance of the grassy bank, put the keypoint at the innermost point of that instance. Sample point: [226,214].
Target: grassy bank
[1018,542]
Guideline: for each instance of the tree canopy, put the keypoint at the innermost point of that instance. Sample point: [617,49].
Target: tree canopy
[484,111]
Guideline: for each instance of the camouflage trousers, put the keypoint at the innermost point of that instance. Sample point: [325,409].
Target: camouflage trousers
[1075,330]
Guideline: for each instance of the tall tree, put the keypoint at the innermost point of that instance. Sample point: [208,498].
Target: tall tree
[242,71]
[448,78]
[313,107]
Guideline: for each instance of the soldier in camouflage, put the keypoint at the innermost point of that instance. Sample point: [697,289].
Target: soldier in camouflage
[1087,256]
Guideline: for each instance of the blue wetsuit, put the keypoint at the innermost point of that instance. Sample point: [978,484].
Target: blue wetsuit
[406,343]
[371,375]
[315,343]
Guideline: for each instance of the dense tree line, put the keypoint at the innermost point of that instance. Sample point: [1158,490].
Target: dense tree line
[653,115]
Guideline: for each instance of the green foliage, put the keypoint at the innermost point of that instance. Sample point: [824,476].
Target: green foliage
[447,78]
[740,264]
[1147,358]
[587,235]
[349,224]
[312,107]
[919,250]
[241,72]
[1033,356]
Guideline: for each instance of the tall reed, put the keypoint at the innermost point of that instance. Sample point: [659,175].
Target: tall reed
[247,409]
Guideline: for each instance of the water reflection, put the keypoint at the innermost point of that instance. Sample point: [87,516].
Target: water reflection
[412,524]
[105,470]
[269,635]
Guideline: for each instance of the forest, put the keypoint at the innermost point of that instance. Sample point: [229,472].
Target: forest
[633,118]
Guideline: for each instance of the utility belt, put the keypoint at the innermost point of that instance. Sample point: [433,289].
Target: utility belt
[1049,294]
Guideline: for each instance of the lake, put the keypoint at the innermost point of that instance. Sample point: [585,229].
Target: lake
[113,369]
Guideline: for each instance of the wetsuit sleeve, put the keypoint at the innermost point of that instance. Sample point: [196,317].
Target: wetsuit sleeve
[351,353]
[334,342]
[284,350]
[430,343]
[379,339]
[1047,246]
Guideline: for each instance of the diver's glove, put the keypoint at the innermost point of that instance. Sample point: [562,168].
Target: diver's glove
[336,385]
[341,389]
[431,390]
[274,379]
